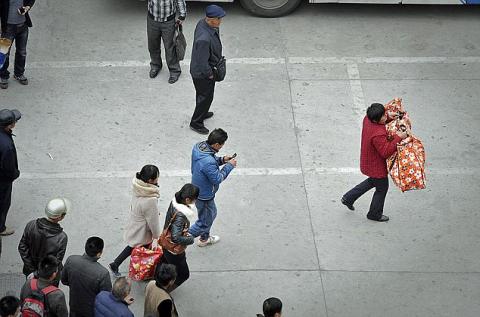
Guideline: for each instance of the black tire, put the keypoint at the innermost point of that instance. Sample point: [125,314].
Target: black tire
[270,8]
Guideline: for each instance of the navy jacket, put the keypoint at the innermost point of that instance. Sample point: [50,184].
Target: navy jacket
[107,305]
[206,172]
[4,7]
[8,157]
[206,50]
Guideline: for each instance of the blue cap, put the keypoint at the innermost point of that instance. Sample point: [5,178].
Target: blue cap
[214,11]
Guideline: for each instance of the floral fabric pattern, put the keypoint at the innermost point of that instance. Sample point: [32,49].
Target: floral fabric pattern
[143,262]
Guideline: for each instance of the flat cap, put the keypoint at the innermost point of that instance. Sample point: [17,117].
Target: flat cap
[214,11]
[7,117]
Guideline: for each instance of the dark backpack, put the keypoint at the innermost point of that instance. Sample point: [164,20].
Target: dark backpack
[35,304]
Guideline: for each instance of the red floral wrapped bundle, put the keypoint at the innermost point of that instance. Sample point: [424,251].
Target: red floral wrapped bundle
[143,262]
[407,166]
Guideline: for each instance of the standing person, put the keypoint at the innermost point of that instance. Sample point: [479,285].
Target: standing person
[54,301]
[143,226]
[86,278]
[8,165]
[158,301]
[182,214]
[45,236]
[206,53]
[161,24]
[115,303]
[207,175]
[375,149]
[272,307]
[9,306]
[15,22]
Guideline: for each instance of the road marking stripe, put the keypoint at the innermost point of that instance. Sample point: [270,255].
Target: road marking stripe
[265,171]
[356,91]
[268,60]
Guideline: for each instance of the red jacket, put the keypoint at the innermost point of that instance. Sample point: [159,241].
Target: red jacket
[376,149]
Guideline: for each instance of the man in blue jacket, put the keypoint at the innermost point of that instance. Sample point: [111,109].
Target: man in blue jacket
[115,303]
[207,175]
[8,164]
[206,53]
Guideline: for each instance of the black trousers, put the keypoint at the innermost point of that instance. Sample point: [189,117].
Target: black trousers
[5,201]
[180,262]
[18,34]
[204,89]
[157,31]
[378,199]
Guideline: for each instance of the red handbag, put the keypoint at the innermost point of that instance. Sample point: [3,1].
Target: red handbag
[143,262]
[166,242]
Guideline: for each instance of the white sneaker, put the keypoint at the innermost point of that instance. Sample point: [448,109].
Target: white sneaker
[210,240]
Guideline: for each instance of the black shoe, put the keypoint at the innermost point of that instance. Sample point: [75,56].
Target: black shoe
[3,83]
[383,218]
[113,267]
[21,79]
[173,79]
[154,72]
[349,206]
[208,115]
[201,130]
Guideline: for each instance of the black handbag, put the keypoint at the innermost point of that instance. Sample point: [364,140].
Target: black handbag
[220,70]
[180,42]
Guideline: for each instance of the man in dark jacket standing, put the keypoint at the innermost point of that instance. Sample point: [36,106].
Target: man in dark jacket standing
[375,150]
[8,164]
[86,278]
[115,303]
[15,22]
[207,176]
[55,299]
[44,236]
[206,53]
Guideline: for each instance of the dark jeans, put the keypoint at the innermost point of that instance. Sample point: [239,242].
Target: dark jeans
[124,255]
[18,34]
[157,31]
[204,89]
[5,201]
[378,199]
[180,262]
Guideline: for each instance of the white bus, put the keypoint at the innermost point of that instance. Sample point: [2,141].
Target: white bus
[275,8]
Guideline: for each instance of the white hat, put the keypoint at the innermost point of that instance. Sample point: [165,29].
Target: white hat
[57,207]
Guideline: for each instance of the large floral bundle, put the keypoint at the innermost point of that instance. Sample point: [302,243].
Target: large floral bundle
[407,166]
[143,262]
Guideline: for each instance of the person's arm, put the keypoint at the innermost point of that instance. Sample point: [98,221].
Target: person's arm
[165,308]
[182,9]
[200,57]
[215,175]
[105,283]
[8,166]
[63,248]
[151,216]
[24,249]
[59,307]
[65,273]
[177,232]
[384,147]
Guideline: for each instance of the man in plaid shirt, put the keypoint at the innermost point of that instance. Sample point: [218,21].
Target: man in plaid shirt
[161,22]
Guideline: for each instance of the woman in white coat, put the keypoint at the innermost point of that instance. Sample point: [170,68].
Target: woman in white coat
[143,226]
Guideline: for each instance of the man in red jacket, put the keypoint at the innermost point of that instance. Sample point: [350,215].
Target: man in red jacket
[376,148]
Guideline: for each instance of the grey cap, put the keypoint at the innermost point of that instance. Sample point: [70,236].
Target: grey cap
[57,207]
[7,117]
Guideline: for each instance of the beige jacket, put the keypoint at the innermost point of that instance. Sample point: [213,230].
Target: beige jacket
[153,297]
[143,223]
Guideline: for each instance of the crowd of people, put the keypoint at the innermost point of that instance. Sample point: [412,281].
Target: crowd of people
[44,242]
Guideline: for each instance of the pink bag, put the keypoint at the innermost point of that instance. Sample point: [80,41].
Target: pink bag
[143,262]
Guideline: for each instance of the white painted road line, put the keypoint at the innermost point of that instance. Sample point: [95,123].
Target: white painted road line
[265,171]
[270,60]
[356,91]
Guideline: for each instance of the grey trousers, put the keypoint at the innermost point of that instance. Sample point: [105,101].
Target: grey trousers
[165,31]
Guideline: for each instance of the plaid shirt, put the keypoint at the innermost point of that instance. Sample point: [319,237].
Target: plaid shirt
[162,9]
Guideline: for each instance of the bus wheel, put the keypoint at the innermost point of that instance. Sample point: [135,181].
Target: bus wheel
[270,8]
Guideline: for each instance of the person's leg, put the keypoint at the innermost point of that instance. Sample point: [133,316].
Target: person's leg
[5,201]
[180,262]
[211,215]
[154,35]
[120,258]
[353,194]
[199,226]
[204,89]
[21,39]
[9,33]
[378,199]
[168,34]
